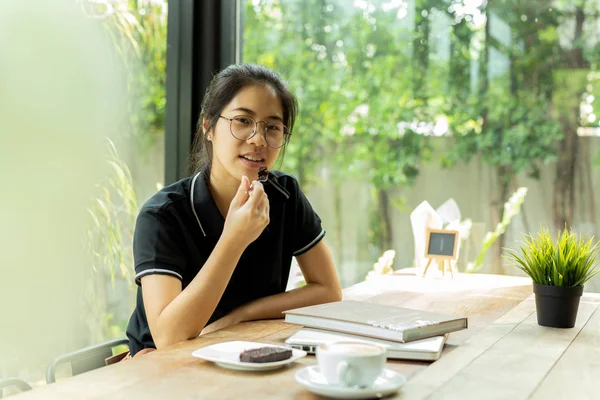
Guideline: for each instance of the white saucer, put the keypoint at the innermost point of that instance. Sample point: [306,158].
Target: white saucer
[387,383]
[227,355]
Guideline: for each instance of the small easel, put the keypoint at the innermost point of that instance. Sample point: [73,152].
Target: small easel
[442,246]
[441,262]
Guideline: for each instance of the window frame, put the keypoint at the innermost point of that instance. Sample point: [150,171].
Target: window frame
[203,37]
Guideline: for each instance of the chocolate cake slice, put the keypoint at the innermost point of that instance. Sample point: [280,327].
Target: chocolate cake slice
[263,174]
[265,354]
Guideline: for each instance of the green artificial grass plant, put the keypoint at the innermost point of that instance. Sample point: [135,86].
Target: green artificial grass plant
[569,262]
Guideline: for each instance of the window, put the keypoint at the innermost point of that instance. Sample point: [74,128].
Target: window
[81,147]
[138,33]
[407,101]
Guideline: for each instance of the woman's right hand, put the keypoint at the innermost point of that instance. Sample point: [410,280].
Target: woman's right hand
[248,213]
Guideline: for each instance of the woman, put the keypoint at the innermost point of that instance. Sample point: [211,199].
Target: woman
[215,249]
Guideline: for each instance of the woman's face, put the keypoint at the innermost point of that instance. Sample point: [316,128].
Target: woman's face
[236,157]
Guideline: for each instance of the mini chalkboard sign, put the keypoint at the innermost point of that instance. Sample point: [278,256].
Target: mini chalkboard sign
[441,245]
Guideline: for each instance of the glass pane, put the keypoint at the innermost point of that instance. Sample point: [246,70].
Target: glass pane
[138,32]
[403,102]
[81,148]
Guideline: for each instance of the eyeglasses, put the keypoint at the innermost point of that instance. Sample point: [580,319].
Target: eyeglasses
[244,128]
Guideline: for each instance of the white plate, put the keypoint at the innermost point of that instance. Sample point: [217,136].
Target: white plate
[387,383]
[228,355]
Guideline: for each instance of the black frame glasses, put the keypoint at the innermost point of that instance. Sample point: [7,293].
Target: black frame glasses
[265,131]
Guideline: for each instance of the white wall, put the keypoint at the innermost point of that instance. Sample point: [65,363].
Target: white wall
[471,185]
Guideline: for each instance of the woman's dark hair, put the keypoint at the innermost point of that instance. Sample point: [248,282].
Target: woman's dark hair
[222,89]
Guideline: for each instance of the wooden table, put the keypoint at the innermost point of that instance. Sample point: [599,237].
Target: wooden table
[513,341]
[515,358]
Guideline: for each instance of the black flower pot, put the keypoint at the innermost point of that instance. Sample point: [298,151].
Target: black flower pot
[557,306]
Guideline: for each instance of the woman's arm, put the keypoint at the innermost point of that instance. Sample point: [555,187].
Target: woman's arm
[322,286]
[174,314]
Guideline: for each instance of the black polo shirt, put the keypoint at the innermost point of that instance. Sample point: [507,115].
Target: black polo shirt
[173,238]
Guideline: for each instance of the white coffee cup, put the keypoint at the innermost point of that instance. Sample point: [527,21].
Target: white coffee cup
[351,363]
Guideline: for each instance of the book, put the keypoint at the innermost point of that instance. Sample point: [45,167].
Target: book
[429,349]
[375,320]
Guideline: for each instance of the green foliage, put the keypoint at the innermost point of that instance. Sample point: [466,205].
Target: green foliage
[569,83]
[138,31]
[519,134]
[343,66]
[351,71]
[110,242]
[511,209]
[568,262]
[114,214]
[508,121]
[373,81]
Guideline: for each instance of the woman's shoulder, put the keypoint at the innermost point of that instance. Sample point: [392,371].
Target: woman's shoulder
[168,197]
[286,180]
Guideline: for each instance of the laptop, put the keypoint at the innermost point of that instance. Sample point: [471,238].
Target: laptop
[430,349]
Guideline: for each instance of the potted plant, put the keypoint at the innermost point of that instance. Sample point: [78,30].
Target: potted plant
[558,271]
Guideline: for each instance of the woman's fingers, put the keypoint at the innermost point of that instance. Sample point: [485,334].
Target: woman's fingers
[242,194]
[266,206]
[256,195]
[260,205]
